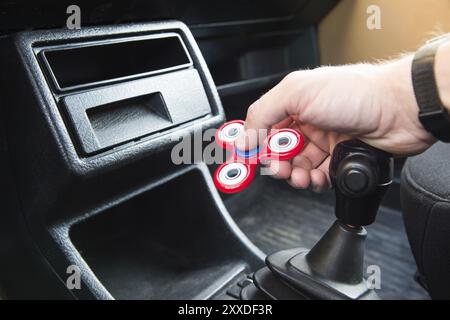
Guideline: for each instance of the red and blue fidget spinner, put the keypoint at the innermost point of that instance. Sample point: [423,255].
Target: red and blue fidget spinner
[238,171]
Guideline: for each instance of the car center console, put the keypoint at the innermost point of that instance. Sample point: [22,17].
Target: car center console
[90,117]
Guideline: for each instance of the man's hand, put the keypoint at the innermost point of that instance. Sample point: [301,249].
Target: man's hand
[374,103]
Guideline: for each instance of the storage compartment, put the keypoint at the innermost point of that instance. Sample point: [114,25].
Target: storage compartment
[98,62]
[107,117]
[246,56]
[129,118]
[170,242]
[153,86]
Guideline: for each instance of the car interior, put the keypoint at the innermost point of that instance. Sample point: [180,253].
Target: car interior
[90,117]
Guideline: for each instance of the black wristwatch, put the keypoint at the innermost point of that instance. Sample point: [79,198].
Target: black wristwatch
[432,113]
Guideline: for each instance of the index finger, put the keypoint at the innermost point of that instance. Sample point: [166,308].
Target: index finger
[273,107]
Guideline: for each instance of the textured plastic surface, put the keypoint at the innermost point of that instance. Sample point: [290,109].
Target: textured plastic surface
[136,251]
[78,65]
[41,14]
[238,171]
[127,116]
[56,184]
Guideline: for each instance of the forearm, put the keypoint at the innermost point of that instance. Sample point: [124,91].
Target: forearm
[397,81]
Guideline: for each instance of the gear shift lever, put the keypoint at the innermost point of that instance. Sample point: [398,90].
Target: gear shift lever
[360,175]
[333,268]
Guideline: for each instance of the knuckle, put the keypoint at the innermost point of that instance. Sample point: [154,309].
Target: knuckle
[292,78]
[251,111]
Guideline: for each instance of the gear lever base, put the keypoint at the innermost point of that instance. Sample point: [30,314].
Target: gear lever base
[332,269]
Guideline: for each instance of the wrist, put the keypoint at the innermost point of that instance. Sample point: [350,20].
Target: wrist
[398,87]
[398,101]
[442,74]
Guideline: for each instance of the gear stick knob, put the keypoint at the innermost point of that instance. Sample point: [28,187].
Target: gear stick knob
[360,175]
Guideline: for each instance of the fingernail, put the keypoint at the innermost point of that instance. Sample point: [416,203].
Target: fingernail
[314,188]
[267,171]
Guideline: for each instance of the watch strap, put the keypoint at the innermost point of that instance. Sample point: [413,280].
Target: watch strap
[432,113]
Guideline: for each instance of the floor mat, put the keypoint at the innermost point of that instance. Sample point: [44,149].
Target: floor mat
[275,216]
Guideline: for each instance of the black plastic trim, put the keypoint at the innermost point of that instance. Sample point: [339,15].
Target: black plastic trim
[43,51]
